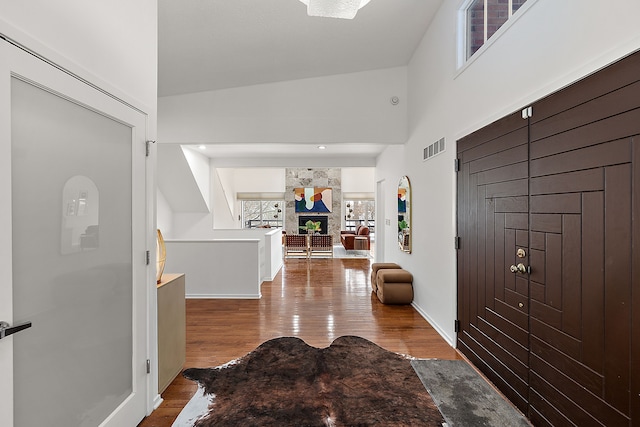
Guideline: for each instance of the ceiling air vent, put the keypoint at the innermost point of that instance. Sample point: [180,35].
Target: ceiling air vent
[433,149]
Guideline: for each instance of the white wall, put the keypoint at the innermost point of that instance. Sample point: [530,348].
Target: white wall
[223,199]
[164,217]
[195,225]
[201,170]
[112,43]
[192,226]
[259,180]
[358,180]
[343,108]
[551,45]
[217,268]
[270,248]
[184,192]
[389,170]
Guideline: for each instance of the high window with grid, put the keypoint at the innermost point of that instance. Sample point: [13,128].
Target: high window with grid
[483,18]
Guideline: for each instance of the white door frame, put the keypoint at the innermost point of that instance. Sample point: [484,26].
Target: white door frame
[6,302]
[381,229]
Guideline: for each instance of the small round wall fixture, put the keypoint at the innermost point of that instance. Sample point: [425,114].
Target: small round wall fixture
[395,100]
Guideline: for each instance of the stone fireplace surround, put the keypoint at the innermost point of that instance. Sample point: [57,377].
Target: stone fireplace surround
[314,177]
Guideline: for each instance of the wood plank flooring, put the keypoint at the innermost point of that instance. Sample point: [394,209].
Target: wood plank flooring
[317,300]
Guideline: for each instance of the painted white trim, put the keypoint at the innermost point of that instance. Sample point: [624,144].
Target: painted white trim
[271,278]
[6,244]
[243,195]
[442,332]
[211,240]
[53,57]
[157,401]
[152,289]
[362,196]
[380,221]
[223,296]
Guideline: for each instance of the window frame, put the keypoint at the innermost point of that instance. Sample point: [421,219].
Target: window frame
[279,222]
[462,25]
[352,223]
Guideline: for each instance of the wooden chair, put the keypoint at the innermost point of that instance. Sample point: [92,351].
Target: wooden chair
[321,244]
[295,245]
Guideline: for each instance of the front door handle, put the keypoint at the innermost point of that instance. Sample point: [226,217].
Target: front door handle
[520,268]
[6,329]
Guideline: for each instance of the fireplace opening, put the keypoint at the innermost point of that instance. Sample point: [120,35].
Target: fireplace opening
[324,222]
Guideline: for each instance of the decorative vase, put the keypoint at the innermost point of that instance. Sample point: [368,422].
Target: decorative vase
[161,256]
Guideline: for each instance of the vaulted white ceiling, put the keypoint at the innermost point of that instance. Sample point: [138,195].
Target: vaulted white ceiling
[215,44]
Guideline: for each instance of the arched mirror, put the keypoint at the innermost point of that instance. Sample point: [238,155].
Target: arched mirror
[404,214]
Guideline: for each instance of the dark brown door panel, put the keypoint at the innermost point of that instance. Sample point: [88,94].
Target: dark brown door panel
[549,267]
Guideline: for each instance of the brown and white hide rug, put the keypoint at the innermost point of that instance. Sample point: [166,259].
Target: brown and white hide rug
[285,382]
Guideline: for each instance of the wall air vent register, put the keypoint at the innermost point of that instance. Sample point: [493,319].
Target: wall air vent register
[433,149]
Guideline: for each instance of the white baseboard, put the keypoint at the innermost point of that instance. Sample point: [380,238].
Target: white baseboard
[157,401]
[270,279]
[450,340]
[223,296]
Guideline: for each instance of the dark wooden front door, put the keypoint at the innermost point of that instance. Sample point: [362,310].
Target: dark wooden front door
[493,222]
[561,339]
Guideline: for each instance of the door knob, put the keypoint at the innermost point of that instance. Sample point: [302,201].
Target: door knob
[520,268]
[6,329]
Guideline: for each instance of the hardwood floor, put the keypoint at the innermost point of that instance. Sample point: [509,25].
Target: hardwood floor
[317,300]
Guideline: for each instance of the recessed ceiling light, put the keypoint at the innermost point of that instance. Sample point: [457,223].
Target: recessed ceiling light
[321,147]
[202,147]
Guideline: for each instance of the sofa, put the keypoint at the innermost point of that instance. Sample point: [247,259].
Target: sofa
[347,238]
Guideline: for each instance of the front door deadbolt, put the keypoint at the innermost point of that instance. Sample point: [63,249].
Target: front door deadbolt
[521,253]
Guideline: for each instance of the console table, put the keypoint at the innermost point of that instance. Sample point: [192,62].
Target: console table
[172,333]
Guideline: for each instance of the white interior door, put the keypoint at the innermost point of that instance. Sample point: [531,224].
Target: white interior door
[72,254]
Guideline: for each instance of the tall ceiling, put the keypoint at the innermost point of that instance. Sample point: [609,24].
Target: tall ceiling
[215,44]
